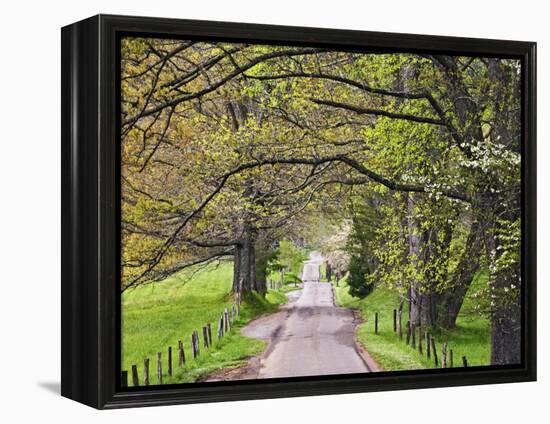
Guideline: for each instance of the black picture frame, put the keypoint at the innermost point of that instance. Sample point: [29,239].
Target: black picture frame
[90,212]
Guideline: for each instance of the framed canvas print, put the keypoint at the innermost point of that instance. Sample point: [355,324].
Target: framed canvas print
[255,211]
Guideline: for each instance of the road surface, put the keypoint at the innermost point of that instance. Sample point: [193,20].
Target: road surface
[310,336]
[311,267]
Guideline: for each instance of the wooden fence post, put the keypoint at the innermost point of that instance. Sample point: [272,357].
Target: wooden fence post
[420,339]
[197,343]
[205,337]
[444,355]
[224,315]
[220,328]
[399,326]
[229,322]
[135,378]
[124,378]
[226,325]
[434,350]
[170,361]
[159,367]
[464,361]
[395,320]
[209,333]
[193,346]
[181,354]
[408,332]
[232,314]
[451,358]
[413,336]
[376,323]
[428,344]
[146,371]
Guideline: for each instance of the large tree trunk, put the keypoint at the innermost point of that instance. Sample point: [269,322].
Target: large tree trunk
[506,311]
[415,298]
[251,260]
[452,299]
[505,330]
[435,249]
[430,249]
[328,271]
[261,252]
[505,326]
[237,282]
[244,270]
[506,314]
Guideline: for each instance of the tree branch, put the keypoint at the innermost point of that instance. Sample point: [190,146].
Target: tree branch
[228,77]
[379,112]
[393,185]
[162,275]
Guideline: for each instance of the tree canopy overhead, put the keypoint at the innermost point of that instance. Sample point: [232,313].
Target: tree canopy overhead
[227,149]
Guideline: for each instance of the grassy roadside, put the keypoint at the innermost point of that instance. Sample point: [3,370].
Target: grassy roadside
[289,287]
[323,271]
[158,315]
[471,337]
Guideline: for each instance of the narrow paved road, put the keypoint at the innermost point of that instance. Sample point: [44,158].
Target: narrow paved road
[312,336]
[311,267]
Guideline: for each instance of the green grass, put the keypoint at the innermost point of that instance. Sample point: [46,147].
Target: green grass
[323,271]
[288,287]
[156,316]
[470,338]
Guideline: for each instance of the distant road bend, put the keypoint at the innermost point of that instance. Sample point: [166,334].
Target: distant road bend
[311,336]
